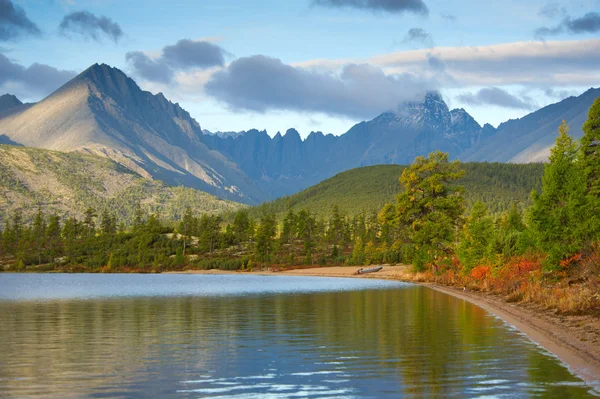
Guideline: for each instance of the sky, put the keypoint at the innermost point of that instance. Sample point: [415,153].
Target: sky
[313,65]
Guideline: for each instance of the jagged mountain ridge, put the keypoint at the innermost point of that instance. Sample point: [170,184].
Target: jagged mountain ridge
[104,112]
[285,163]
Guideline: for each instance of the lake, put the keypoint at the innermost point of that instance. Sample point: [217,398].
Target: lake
[241,336]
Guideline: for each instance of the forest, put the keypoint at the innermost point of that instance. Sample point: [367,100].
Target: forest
[548,252]
[367,189]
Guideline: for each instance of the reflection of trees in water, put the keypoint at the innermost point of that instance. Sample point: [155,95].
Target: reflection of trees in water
[425,342]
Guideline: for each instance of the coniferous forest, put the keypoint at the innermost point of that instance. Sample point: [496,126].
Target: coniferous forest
[552,243]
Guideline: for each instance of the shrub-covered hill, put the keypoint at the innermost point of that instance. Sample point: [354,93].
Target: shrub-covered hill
[69,183]
[366,189]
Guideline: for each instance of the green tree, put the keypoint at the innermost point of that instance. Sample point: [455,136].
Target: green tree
[337,227]
[590,149]
[430,207]
[88,221]
[108,223]
[265,237]
[179,259]
[54,241]
[590,160]
[557,217]
[307,229]
[476,238]
[186,227]
[39,234]
[241,227]
[387,221]
[210,233]
[288,232]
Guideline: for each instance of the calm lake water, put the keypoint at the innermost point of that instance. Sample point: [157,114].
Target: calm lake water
[230,336]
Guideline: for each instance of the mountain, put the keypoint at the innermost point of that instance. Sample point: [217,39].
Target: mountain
[8,101]
[368,188]
[285,163]
[69,183]
[530,138]
[103,112]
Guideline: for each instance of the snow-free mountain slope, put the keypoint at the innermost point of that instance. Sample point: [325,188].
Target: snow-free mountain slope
[103,112]
[529,139]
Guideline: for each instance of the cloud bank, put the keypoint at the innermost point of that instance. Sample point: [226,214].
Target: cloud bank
[589,23]
[498,97]
[182,56]
[90,26]
[262,83]
[33,82]
[14,22]
[389,6]
[534,63]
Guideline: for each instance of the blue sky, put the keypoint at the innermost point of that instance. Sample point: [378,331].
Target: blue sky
[326,64]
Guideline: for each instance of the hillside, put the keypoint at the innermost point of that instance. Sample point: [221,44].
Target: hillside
[68,183]
[368,188]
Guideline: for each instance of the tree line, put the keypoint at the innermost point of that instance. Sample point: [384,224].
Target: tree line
[427,226]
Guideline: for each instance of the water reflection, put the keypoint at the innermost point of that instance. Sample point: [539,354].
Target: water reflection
[389,342]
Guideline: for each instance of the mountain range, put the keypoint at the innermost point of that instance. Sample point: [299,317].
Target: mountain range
[104,112]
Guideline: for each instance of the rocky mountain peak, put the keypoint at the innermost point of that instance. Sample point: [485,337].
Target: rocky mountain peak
[292,135]
[8,101]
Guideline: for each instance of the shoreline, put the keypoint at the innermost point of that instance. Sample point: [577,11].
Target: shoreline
[574,340]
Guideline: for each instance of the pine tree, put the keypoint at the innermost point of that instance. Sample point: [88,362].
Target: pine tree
[138,217]
[590,149]
[265,237]
[430,207]
[476,238]
[306,227]
[288,232]
[108,224]
[557,217]
[53,236]
[89,216]
[39,234]
[337,227]
[186,227]
[241,227]
[590,160]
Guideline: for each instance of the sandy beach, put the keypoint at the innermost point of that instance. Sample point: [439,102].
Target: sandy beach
[575,340]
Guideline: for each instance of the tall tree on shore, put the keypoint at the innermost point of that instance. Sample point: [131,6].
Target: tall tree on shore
[590,146]
[590,160]
[430,207]
[557,216]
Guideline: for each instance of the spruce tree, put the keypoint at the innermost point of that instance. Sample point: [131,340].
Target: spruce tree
[590,149]
[557,216]
[265,237]
[476,238]
[590,160]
